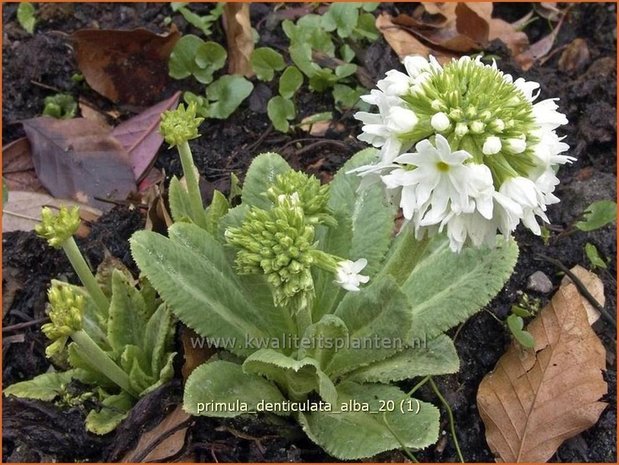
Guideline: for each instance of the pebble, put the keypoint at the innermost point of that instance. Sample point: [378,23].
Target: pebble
[539,282]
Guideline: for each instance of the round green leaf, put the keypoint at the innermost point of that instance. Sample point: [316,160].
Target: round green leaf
[290,81]
[280,110]
[265,61]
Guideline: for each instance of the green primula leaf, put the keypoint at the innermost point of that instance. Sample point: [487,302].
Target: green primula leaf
[364,229]
[265,61]
[351,435]
[366,27]
[114,409]
[226,382]
[378,319]
[180,205]
[342,17]
[301,55]
[308,30]
[347,53]
[260,176]
[515,324]
[321,340]
[128,314]
[218,208]
[85,372]
[157,338]
[436,357]
[199,293]
[598,215]
[594,256]
[226,94]
[280,110]
[26,16]
[46,387]
[133,361]
[345,70]
[182,62]
[445,288]
[290,81]
[298,377]
[209,58]
[345,96]
[322,79]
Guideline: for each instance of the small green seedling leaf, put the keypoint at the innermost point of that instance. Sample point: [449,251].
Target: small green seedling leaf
[594,256]
[345,70]
[226,94]
[345,96]
[366,27]
[204,23]
[192,56]
[598,215]
[521,311]
[47,386]
[265,61]
[60,106]
[210,57]
[369,6]
[290,81]
[516,325]
[280,111]
[347,53]
[342,17]
[26,16]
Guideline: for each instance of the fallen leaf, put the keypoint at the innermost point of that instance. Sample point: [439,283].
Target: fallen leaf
[508,33]
[537,398]
[163,441]
[548,10]
[125,66]
[239,37]
[193,354]
[141,138]
[23,210]
[18,168]
[539,49]
[575,57]
[78,159]
[402,43]
[594,285]
[89,112]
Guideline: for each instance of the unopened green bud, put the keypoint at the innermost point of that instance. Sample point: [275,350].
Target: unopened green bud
[180,125]
[66,312]
[59,226]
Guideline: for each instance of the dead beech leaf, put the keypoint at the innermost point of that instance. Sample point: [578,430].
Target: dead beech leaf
[508,33]
[539,49]
[193,354]
[239,37]
[130,67]
[402,43]
[23,210]
[162,442]
[141,138]
[18,168]
[594,285]
[78,159]
[537,398]
[89,112]
[575,57]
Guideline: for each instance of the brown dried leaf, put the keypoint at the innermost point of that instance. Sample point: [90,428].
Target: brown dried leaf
[18,168]
[402,43]
[193,354]
[130,67]
[78,159]
[539,49]
[239,37]
[594,285]
[141,138]
[162,442]
[508,33]
[537,398]
[23,210]
[575,57]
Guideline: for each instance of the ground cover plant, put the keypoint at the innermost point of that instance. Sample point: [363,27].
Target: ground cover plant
[348,173]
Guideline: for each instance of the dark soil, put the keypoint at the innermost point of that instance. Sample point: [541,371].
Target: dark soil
[36,431]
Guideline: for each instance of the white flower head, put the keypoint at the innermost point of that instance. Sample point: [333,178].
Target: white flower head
[485,153]
[348,274]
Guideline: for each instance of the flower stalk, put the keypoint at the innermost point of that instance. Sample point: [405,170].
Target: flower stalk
[193,184]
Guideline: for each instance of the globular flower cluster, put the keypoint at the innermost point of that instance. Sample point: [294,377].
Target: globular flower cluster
[57,227]
[180,125]
[313,196]
[464,148]
[66,316]
[277,242]
[280,242]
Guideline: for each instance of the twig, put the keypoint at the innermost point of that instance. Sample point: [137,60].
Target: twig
[145,453]
[26,324]
[581,288]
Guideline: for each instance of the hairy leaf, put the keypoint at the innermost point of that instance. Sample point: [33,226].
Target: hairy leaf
[128,315]
[221,381]
[322,339]
[114,409]
[260,176]
[357,435]
[47,386]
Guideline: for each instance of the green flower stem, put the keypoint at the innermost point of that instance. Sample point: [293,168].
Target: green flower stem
[192,183]
[303,318]
[83,272]
[101,361]
[405,256]
[450,414]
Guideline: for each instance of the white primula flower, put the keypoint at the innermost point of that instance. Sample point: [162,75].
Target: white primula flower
[348,274]
[486,153]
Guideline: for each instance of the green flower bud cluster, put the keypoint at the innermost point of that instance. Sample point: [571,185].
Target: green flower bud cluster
[58,227]
[66,315]
[180,125]
[278,243]
[313,196]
